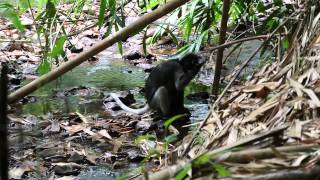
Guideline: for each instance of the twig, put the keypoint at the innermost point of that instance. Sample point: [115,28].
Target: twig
[13,40]
[246,156]
[227,44]
[303,174]
[222,39]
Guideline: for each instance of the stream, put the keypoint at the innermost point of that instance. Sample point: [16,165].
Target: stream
[111,74]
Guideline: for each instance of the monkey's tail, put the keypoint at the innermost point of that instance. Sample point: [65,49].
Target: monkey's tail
[139,111]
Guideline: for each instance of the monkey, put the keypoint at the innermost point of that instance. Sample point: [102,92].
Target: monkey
[164,88]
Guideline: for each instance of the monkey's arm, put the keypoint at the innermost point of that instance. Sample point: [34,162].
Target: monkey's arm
[128,109]
[183,78]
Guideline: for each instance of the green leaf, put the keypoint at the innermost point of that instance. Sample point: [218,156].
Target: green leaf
[261,7]
[50,9]
[278,2]
[119,43]
[173,37]
[120,47]
[168,122]
[144,43]
[182,174]
[193,8]
[102,10]
[119,21]
[11,14]
[203,37]
[24,4]
[285,43]
[112,7]
[171,138]
[201,160]
[150,137]
[57,49]
[222,170]
[187,28]
[109,28]
[152,4]
[44,67]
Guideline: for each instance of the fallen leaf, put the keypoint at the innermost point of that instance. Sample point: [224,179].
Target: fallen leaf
[16,173]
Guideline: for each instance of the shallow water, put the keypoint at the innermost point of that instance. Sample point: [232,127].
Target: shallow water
[105,76]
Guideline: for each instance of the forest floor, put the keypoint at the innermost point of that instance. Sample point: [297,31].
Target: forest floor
[266,127]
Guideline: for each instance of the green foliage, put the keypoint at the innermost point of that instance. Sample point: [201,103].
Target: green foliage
[150,137]
[171,138]
[57,49]
[169,121]
[183,173]
[44,67]
[264,62]
[9,12]
[222,170]
[201,160]
[285,43]
[102,10]
[151,153]
[50,10]
[199,20]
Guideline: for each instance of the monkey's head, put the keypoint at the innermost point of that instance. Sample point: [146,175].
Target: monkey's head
[191,62]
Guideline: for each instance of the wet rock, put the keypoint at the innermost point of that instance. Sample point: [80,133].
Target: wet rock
[67,169]
[132,55]
[143,126]
[28,68]
[93,59]
[28,99]
[50,152]
[76,157]
[78,91]
[198,96]
[75,48]
[145,66]
[111,106]
[14,79]
[126,97]
[119,165]
[135,155]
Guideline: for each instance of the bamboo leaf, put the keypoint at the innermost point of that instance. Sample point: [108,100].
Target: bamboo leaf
[222,170]
[182,174]
[168,122]
[10,13]
[57,49]
[44,67]
[102,10]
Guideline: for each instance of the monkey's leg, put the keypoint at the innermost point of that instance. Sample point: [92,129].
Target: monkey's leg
[161,101]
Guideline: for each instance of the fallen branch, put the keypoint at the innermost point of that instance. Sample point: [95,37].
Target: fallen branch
[133,28]
[303,174]
[254,154]
[169,172]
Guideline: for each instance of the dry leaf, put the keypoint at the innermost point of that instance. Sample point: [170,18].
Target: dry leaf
[16,173]
[104,133]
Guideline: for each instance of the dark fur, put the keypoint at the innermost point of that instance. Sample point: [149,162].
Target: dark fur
[166,75]
[165,86]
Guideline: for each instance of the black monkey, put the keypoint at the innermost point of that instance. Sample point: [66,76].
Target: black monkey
[164,88]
